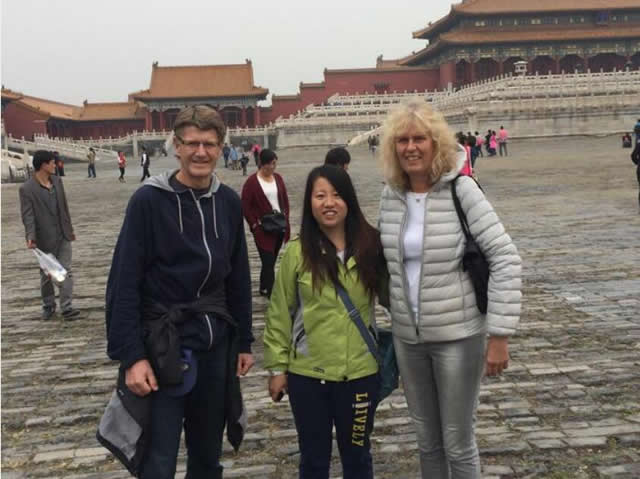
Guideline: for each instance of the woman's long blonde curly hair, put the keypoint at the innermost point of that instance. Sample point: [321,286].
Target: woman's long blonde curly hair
[417,113]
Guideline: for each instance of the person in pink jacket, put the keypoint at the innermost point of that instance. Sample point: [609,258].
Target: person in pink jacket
[467,169]
[493,144]
[502,140]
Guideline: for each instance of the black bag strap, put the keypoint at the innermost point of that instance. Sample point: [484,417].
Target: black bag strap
[456,201]
[461,216]
[354,314]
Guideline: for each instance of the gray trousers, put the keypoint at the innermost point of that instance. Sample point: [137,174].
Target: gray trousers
[63,254]
[442,383]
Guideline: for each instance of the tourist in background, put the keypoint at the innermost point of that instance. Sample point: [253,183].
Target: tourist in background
[122,163]
[225,152]
[59,164]
[479,143]
[311,347]
[255,149]
[503,136]
[145,162]
[439,332]
[338,157]
[264,193]
[635,157]
[493,144]
[233,157]
[91,168]
[47,224]
[487,137]
[463,141]
[244,161]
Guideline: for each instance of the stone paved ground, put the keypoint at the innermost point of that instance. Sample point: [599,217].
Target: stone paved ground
[568,407]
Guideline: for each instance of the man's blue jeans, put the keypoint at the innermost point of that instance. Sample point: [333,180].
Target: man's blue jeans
[202,411]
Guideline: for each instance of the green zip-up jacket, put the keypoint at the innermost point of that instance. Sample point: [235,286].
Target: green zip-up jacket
[309,332]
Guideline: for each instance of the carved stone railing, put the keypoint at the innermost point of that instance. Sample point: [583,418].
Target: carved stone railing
[119,141]
[16,167]
[69,150]
[506,93]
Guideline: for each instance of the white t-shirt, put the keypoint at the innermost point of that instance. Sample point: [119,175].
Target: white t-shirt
[412,242]
[270,191]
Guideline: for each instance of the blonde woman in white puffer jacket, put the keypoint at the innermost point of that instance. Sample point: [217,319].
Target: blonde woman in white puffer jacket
[443,343]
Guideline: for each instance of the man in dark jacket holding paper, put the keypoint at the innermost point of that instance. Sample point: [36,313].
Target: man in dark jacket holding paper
[47,225]
[180,268]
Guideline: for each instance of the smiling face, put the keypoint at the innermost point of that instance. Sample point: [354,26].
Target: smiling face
[198,152]
[327,206]
[415,150]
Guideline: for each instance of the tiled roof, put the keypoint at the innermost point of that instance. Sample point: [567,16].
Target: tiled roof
[522,6]
[312,85]
[522,35]
[374,70]
[53,108]
[496,7]
[110,111]
[202,81]
[469,37]
[10,94]
[285,97]
[386,64]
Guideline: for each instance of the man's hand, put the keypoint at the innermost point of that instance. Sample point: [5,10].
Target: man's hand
[31,244]
[140,378]
[245,361]
[277,386]
[73,236]
[497,355]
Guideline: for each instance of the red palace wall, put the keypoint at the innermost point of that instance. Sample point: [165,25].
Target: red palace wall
[106,128]
[352,82]
[282,108]
[20,121]
[399,81]
[313,95]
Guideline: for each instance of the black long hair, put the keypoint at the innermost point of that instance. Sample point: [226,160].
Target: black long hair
[362,239]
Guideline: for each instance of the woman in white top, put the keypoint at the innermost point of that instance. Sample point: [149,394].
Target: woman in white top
[263,194]
[440,334]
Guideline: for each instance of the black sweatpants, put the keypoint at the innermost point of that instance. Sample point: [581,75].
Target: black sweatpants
[319,405]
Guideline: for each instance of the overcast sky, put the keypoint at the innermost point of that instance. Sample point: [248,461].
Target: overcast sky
[71,50]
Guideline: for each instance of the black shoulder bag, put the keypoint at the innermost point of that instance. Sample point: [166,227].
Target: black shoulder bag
[473,260]
[274,222]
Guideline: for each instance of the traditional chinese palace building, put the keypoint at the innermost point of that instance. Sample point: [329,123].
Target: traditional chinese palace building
[480,39]
[228,88]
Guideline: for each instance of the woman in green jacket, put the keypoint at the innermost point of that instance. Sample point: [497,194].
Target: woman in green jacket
[313,349]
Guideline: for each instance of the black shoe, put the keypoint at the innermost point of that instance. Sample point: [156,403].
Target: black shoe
[47,314]
[70,314]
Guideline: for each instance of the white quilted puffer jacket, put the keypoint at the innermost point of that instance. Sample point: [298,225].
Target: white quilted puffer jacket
[447,308]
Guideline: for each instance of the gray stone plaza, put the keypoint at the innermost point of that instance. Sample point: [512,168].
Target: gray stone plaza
[567,407]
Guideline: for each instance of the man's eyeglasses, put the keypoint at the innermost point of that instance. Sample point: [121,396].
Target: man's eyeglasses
[194,145]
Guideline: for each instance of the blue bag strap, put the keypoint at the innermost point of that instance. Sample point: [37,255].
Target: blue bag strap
[354,314]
